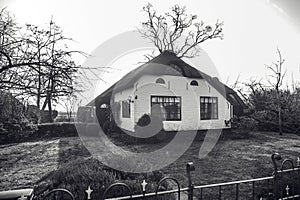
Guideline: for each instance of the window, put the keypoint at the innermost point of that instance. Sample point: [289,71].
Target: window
[125,109]
[208,108]
[194,83]
[170,107]
[104,105]
[160,80]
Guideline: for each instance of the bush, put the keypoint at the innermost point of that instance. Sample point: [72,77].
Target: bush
[12,110]
[58,129]
[78,175]
[11,133]
[144,120]
[244,123]
[264,104]
[15,126]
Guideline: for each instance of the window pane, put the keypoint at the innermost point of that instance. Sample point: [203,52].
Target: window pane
[171,105]
[125,109]
[208,108]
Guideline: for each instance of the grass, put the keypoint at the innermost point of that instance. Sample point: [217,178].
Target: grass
[22,164]
[235,157]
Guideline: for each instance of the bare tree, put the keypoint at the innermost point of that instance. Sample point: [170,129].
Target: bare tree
[275,81]
[69,103]
[37,65]
[177,31]
[56,72]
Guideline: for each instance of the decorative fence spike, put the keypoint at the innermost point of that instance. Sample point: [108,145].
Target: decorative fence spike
[287,190]
[23,197]
[144,183]
[89,192]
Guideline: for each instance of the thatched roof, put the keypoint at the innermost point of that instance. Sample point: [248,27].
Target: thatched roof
[160,65]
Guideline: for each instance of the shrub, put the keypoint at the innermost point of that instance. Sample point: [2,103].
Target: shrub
[12,110]
[11,133]
[144,120]
[15,125]
[244,123]
[264,104]
[57,129]
[78,175]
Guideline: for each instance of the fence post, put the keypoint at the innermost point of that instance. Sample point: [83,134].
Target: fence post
[189,168]
[275,157]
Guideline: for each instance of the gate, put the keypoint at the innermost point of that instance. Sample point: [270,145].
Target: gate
[283,184]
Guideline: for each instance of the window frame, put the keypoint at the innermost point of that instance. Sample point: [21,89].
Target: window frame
[194,83]
[126,110]
[210,107]
[164,101]
[160,81]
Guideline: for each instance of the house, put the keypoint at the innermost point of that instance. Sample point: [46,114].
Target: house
[187,99]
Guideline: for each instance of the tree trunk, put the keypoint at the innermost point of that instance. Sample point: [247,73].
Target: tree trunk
[38,99]
[279,112]
[51,81]
[279,120]
[50,109]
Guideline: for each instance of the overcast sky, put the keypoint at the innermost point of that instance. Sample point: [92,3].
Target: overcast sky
[253,28]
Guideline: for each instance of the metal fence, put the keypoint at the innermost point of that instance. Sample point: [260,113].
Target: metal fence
[283,184]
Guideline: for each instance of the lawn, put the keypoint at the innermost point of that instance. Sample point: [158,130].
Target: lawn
[235,157]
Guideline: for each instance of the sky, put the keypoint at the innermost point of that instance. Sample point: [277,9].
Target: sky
[253,29]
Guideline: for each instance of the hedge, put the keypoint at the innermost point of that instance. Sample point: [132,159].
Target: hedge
[78,175]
